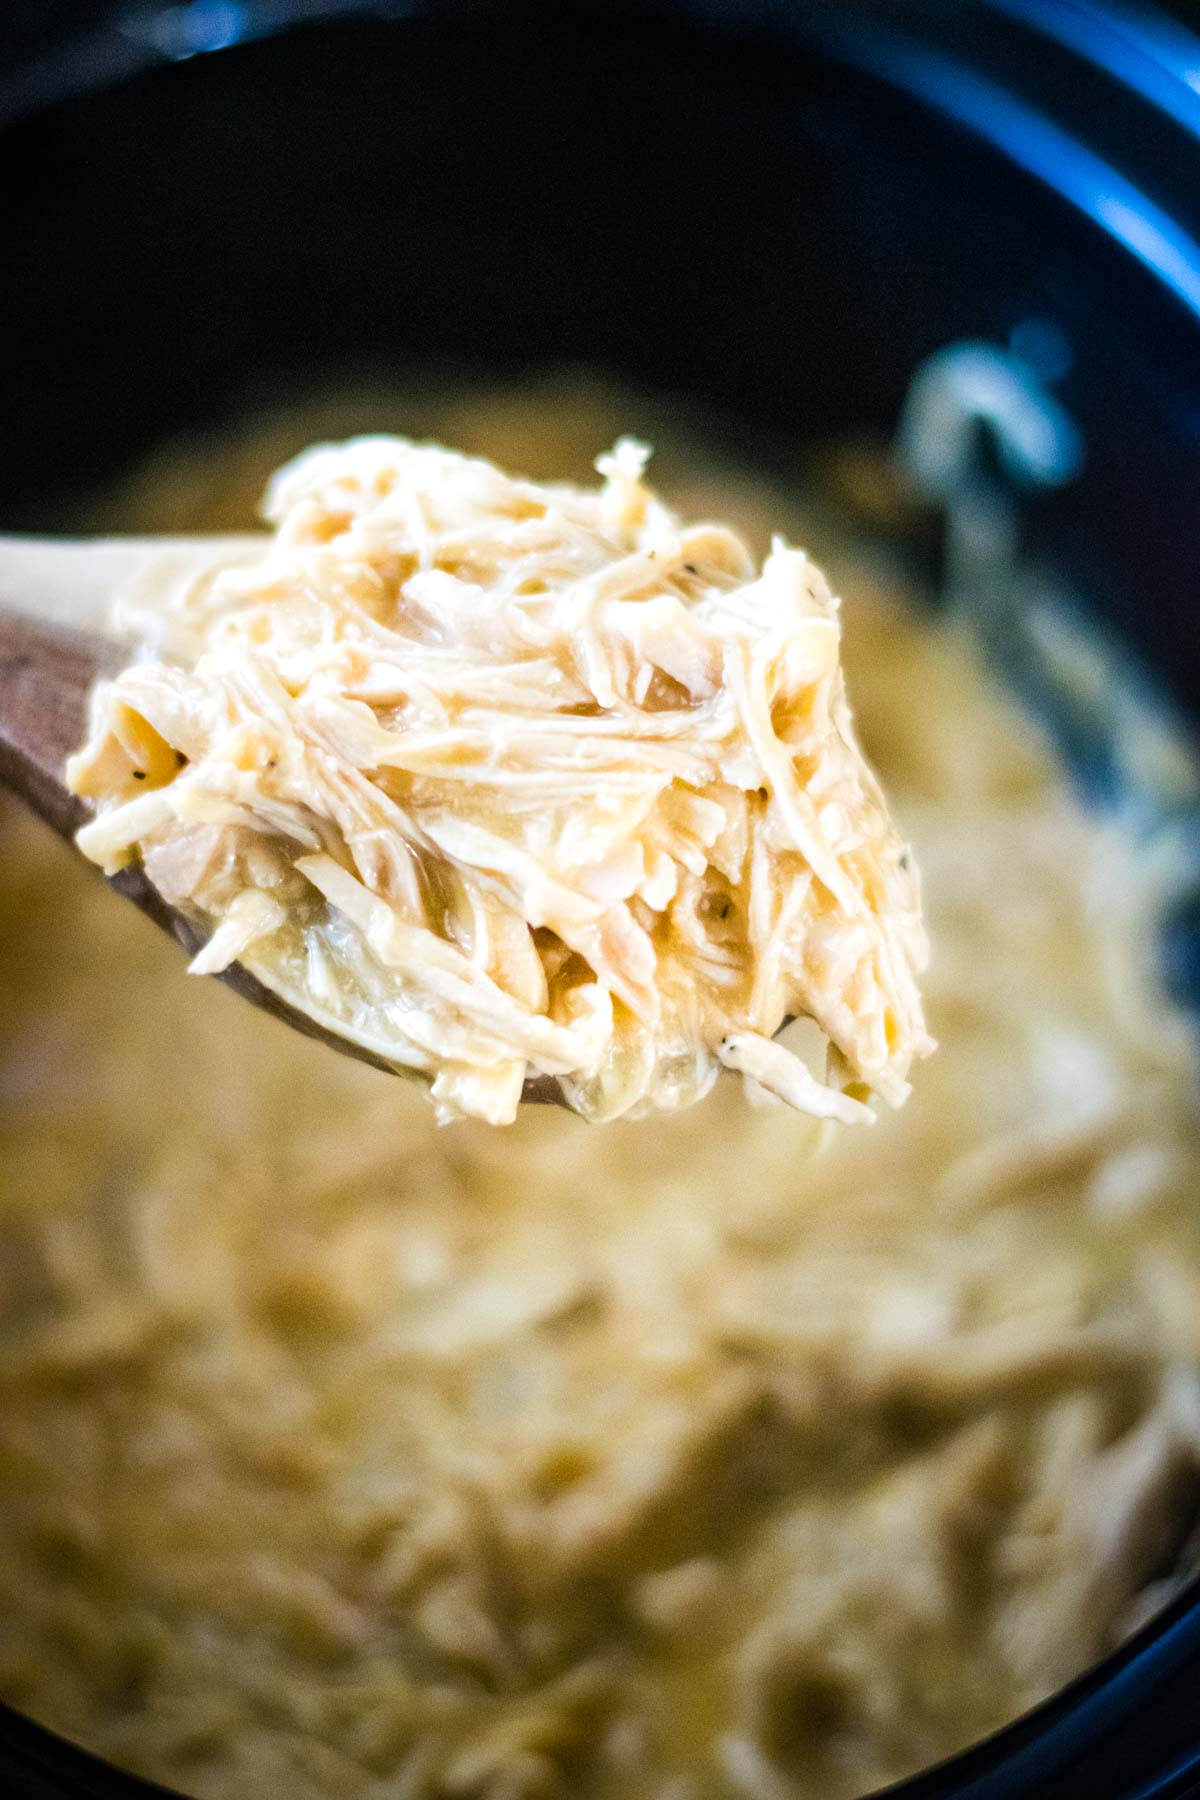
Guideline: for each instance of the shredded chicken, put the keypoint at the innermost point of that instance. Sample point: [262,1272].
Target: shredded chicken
[499,779]
[342,1458]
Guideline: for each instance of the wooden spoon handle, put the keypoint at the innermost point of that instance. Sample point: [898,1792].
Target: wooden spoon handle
[55,598]
[46,676]
[72,581]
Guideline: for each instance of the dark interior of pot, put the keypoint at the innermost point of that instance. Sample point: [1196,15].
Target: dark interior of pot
[765,245]
[701,211]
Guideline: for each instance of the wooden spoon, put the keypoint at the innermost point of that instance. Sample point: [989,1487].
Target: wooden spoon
[55,595]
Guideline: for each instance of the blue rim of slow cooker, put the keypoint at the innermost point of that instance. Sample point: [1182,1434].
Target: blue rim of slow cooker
[1057,1748]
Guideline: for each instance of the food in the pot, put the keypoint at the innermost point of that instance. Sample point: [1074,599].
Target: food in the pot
[501,779]
[343,1458]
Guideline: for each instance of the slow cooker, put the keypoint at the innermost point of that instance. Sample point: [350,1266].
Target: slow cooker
[207,203]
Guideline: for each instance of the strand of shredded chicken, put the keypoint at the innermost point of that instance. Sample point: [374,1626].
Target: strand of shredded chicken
[502,780]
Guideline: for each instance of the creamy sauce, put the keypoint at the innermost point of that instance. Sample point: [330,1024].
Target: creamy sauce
[504,780]
[341,1456]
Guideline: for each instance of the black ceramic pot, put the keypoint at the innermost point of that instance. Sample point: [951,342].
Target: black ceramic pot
[782,209]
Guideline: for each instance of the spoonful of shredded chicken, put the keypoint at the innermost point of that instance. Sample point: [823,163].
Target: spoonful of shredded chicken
[517,786]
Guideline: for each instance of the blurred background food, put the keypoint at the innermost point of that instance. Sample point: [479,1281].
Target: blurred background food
[341,1454]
